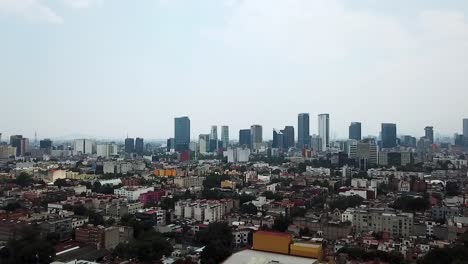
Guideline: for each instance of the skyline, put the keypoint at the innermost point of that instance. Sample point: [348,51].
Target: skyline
[107,68]
[265,134]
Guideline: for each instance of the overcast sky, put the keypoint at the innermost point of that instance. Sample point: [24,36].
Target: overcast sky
[110,67]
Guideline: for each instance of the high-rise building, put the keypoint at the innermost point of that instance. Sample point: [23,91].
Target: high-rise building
[83,146]
[316,143]
[214,137]
[465,131]
[139,146]
[182,133]
[324,130]
[278,139]
[45,144]
[355,131]
[256,135]
[24,146]
[288,134]
[303,130]
[15,141]
[129,145]
[244,138]
[429,133]
[204,143]
[389,132]
[225,136]
[170,144]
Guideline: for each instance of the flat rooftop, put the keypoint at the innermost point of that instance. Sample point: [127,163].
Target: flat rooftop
[259,257]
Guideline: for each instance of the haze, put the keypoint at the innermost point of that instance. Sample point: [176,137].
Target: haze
[108,68]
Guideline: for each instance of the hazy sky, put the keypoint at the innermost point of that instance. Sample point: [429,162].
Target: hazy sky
[111,67]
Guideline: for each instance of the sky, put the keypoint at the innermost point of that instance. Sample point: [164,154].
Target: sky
[108,68]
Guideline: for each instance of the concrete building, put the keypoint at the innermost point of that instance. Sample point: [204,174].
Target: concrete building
[303,130]
[383,220]
[324,130]
[225,136]
[132,193]
[204,143]
[84,146]
[256,134]
[189,182]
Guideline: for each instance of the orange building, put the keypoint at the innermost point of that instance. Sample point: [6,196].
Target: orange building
[274,242]
[306,250]
[165,172]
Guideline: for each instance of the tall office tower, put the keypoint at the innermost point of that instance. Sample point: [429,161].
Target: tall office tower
[83,146]
[429,133]
[170,144]
[182,133]
[408,141]
[129,145]
[288,137]
[139,146]
[204,143]
[244,138]
[225,136]
[465,131]
[278,139]
[45,144]
[389,139]
[214,137]
[15,141]
[316,143]
[324,130]
[355,131]
[303,130]
[24,145]
[256,135]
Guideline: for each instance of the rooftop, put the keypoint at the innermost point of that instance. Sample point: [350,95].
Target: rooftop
[259,257]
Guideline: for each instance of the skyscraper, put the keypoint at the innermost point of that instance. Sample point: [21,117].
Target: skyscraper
[225,136]
[256,135]
[129,145]
[244,138]
[355,131]
[389,139]
[15,141]
[182,133]
[465,131]
[214,136]
[204,143]
[303,131]
[45,144]
[429,133]
[324,130]
[139,146]
[288,134]
[278,139]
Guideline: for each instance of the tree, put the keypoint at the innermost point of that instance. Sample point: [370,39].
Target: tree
[218,240]
[411,204]
[244,198]
[215,253]
[281,224]
[96,219]
[344,202]
[60,183]
[148,248]
[24,179]
[452,189]
[12,207]
[248,208]
[31,248]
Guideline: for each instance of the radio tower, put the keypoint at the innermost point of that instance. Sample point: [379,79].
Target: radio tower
[35,138]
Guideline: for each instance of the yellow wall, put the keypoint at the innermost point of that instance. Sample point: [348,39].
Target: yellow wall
[267,241]
[306,250]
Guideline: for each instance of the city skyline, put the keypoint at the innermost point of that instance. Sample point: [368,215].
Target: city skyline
[91,72]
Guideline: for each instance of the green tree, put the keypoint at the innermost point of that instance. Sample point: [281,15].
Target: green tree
[24,179]
[248,208]
[281,224]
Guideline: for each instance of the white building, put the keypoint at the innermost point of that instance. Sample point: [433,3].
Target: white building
[106,150]
[237,155]
[84,146]
[132,193]
[324,130]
